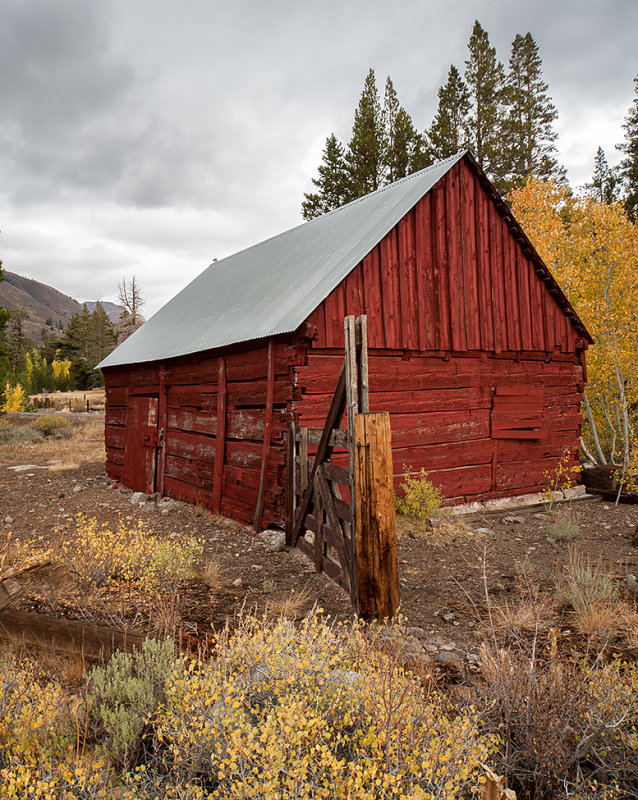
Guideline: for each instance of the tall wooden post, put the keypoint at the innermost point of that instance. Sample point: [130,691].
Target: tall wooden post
[375,521]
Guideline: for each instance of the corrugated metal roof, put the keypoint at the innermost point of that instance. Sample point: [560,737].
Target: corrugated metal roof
[271,287]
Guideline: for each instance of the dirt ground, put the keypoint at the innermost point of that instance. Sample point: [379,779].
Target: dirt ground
[444,576]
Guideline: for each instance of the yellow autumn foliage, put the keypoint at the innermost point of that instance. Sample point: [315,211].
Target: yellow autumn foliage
[592,250]
[99,553]
[14,398]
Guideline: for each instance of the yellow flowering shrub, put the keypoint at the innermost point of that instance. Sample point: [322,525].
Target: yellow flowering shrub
[314,712]
[148,563]
[30,710]
[421,498]
[72,779]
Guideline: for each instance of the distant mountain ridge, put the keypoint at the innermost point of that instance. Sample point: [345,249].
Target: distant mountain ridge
[113,311]
[48,310]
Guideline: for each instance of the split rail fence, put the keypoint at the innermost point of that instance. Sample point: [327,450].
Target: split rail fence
[349,512]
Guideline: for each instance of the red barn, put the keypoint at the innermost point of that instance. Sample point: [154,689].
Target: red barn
[473,349]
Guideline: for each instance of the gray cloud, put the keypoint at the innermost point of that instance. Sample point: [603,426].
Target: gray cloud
[147,138]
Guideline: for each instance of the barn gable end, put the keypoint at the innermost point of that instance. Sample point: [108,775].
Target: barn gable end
[473,348]
[452,275]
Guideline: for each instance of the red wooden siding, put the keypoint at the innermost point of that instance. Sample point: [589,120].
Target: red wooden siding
[441,415]
[191,426]
[450,276]
[460,324]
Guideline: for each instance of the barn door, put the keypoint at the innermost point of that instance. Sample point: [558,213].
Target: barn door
[140,457]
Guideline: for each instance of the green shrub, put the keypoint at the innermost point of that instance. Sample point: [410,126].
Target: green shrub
[563,530]
[19,434]
[421,498]
[124,694]
[53,426]
[586,585]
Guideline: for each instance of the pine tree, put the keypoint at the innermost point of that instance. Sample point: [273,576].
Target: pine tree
[17,341]
[333,183]
[628,168]
[89,337]
[528,141]
[75,345]
[365,154]
[449,131]
[404,145]
[484,77]
[604,182]
[103,337]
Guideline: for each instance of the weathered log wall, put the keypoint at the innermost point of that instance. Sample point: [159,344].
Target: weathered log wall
[442,418]
[189,417]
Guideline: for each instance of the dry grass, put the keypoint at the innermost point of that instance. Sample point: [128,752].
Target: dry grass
[445,526]
[530,615]
[290,605]
[55,660]
[86,444]
[63,466]
[210,574]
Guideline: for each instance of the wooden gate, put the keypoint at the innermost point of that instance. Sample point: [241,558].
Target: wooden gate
[349,511]
[140,456]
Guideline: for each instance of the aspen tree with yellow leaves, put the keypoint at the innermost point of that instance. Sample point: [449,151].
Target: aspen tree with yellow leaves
[592,249]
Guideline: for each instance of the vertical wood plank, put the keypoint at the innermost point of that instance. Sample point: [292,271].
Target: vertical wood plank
[364,383]
[373,298]
[161,426]
[351,372]
[441,264]
[220,438]
[318,546]
[424,303]
[485,308]
[303,458]
[290,478]
[472,305]
[270,390]
[535,288]
[375,522]
[352,400]
[522,269]
[338,313]
[392,292]
[455,267]
[498,279]
[409,298]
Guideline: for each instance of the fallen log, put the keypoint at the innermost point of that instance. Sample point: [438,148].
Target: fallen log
[47,577]
[92,641]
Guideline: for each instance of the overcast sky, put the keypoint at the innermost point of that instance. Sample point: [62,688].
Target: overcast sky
[148,137]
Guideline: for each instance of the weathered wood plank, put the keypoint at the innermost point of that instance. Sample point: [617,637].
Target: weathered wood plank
[324,449]
[220,439]
[259,508]
[376,548]
[91,640]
